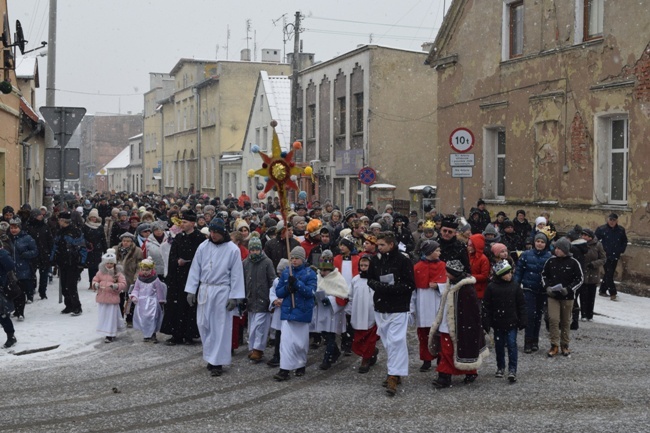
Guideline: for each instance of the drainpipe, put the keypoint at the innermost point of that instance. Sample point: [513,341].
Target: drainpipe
[197,95]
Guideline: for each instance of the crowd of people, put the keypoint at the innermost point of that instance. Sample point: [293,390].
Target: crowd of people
[205,270]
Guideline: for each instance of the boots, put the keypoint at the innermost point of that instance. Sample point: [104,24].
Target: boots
[528,346]
[11,340]
[443,381]
[554,350]
[426,366]
[365,366]
[256,356]
[281,375]
[391,385]
[575,320]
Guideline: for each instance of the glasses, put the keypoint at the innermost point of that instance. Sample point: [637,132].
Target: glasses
[446,231]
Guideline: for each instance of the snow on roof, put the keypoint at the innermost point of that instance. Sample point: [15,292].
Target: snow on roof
[135,136]
[278,96]
[120,161]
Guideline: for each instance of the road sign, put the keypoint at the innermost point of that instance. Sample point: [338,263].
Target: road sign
[53,163]
[63,121]
[367,175]
[461,160]
[461,172]
[461,140]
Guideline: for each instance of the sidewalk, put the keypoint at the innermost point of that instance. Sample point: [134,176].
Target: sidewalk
[45,326]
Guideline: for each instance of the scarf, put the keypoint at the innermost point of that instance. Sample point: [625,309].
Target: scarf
[150,279]
[93,225]
[256,258]
[333,284]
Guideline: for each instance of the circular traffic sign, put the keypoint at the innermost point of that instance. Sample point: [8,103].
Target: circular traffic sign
[367,175]
[461,140]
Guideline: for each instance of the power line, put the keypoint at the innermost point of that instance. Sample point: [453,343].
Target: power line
[98,94]
[344,33]
[366,22]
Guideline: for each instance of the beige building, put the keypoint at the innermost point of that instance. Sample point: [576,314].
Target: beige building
[161,87]
[370,107]
[204,117]
[557,95]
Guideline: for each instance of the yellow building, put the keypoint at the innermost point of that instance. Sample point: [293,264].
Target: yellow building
[204,116]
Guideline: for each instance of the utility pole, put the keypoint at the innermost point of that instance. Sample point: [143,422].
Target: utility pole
[295,88]
[227,39]
[51,56]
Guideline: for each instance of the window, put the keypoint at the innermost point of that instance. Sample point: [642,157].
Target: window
[257,138]
[206,174]
[512,29]
[213,168]
[311,126]
[494,163]
[593,19]
[342,114]
[358,123]
[265,138]
[612,141]
[261,102]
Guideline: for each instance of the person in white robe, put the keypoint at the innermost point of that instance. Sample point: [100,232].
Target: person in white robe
[217,269]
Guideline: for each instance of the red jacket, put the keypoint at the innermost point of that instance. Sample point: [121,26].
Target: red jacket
[479,264]
[426,272]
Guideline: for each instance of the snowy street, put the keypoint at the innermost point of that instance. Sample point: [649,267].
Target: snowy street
[129,385]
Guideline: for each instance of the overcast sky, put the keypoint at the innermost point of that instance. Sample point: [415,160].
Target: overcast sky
[106,48]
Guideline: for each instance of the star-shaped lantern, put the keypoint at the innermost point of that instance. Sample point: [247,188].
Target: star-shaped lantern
[279,167]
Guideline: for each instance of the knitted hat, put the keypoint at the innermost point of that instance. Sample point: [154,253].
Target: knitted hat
[349,213]
[15,221]
[79,209]
[93,213]
[541,236]
[254,243]
[219,226]
[563,245]
[134,218]
[455,268]
[506,224]
[540,220]
[242,224]
[375,226]
[282,265]
[109,256]
[501,268]
[205,231]
[147,264]
[298,253]
[429,247]
[326,261]
[574,233]
[35,213]
[122,213]
[348,242]
[297,219]
[7,209]
[497,248]
[490,230]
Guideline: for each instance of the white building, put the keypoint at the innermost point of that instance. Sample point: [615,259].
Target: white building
[116,171]
[134,170]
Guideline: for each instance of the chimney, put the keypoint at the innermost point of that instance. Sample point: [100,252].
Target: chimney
[246,55]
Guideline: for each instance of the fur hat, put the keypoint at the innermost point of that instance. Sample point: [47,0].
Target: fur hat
[65,215]
[254,243]
[326,261]
[501,268]
[455,268]
[15,221]
[429,247]
[4,226]
[189,215]
[298,253]
[109,256]
[147,264]
[450,222]
[563,245]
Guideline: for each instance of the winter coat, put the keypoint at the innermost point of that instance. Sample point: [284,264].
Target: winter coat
[579,249]
[25,253]
[405,237]
[565,271]
[258,279]
[454,250]
[523,230]
[6,266]
[69,239]
[614,240]
[117,230]
[95,243]
[306,285]
[528,271]
[504,307]
[396,297]
[106,294]
[44,241]
[129,262]
[479,265]
[425,272]
[276,249]
[594,261]
[159,252]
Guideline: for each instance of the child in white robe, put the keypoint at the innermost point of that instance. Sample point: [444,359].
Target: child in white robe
[149,294]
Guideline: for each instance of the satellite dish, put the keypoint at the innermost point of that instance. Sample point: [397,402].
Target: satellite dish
[20,37]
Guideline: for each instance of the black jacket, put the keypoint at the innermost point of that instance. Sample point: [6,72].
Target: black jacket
[391,298]
[454,250]
[614,240]
[565,271]
[504,307]
[44,241]
[276,249]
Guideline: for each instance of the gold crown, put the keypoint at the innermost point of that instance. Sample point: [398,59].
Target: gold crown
[429,224]
[548,232]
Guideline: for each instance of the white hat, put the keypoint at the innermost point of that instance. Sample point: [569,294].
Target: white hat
[109,256]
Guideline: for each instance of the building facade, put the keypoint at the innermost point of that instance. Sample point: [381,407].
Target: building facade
[370,108]
[161,87]
[557,95]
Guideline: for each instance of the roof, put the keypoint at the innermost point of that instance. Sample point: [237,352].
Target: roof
[354,52]
[449,24]
[120,161]
[26,68]
[28,110]
[278,96]
[135,136]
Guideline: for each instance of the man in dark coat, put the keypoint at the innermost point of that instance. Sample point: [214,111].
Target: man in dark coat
[276,249]
[614,241]
[180,318]
[69,254]
[451,248]
[38,229]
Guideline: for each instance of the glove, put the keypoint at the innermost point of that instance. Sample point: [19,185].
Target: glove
[292,280]
[134,300]
[96,286]
[232,303]
[191,299]
[114,286]
[326,302]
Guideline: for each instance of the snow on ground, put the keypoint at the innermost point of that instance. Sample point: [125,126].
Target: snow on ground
[45,326]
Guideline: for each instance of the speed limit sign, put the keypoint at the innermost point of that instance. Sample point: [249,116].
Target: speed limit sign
[461,140]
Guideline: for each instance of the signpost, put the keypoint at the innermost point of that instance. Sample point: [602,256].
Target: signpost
[461,141]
